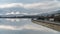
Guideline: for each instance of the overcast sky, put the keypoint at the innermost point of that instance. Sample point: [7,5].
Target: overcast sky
[35,4]
[24,1]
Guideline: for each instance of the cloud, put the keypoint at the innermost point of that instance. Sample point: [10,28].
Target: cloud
[40,5]
[31,27]
[11,5]
[44,5]
[22,5]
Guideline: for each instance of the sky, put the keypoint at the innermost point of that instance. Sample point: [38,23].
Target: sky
[31,4]
[22,1]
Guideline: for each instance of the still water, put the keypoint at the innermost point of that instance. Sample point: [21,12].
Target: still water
[23,26]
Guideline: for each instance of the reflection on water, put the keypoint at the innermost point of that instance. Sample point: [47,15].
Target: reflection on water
[23,26]
[12,20]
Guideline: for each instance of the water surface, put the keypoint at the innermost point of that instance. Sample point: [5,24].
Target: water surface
[23,26]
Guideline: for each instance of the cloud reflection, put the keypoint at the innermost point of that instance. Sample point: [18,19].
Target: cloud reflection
[13,20]
[30,27]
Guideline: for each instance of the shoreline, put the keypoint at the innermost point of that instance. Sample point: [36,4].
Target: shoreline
[48,24]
